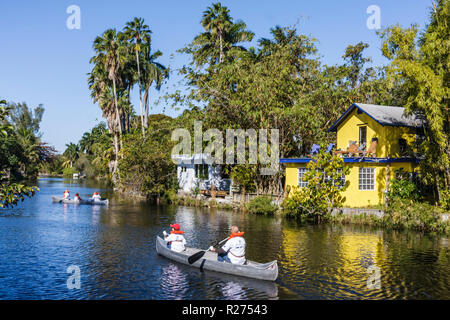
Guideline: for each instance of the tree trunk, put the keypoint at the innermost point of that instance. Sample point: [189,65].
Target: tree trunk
[117,113]
[140,94]
[146,110]
[438,188]
[221,48]
[213,191]
[116,162]
[242,196]
[388,179]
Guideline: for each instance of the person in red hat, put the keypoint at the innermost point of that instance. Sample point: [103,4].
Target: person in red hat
[175,240]
[66,194]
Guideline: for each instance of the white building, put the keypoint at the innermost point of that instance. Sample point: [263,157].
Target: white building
[194,171]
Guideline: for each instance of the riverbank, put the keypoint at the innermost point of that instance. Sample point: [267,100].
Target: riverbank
[401,215]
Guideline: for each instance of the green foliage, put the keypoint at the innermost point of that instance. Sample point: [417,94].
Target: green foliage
[323,193]
[54,166]
[261,205]
[170,197]
[24,118]
[11,194]
[402,189]
[121,60]
[422,65]
[403,214]
[69,171]
[244,176]
[22,151]
[91,155]
[419,216]
[221,37]
[445,200]
[12,157]
[146,167]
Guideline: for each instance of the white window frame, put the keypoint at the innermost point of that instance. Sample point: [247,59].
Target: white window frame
[300,182]
[340,182]
[366,179]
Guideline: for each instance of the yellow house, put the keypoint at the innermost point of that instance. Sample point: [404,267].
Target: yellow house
[376,142]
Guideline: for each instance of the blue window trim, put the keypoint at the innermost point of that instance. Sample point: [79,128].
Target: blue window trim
[356,160]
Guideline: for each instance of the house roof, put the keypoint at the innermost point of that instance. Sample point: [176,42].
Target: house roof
[384,115]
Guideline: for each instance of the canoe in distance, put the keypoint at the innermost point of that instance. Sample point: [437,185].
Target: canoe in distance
[72,201]
[263,271]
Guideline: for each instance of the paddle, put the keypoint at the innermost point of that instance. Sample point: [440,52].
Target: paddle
[200,254]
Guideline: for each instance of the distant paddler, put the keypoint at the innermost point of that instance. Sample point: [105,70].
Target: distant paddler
[66,195]
[175,240]
[96,197]
[77,197]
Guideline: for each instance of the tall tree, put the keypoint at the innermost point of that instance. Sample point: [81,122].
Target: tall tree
[10,193]
[153,73]
[72,153]
[111,52]
[136,31]
[23,117]
[422,64]
[221,36]
[111,56]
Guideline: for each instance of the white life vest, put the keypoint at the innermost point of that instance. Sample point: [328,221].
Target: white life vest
[177,242]
[236,250]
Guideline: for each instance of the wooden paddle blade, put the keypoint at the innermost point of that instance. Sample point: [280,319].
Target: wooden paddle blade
[196,256]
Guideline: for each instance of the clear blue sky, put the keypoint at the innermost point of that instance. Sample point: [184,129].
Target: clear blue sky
[42,61]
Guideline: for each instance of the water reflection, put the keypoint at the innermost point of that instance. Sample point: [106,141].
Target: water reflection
[239,288]
[173,282]
[333,262]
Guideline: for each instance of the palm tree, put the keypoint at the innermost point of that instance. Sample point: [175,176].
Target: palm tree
[71,153]
[220,36]
[111,53]
[153,72]
[217,21]
[109,61]
[86,142]
[101,92]
[136,31]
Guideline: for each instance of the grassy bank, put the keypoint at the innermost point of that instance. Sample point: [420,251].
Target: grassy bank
[402,215]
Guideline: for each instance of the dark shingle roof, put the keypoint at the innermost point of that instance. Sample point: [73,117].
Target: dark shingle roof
[384,115]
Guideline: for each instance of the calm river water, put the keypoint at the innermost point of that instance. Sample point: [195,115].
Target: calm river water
[114,249]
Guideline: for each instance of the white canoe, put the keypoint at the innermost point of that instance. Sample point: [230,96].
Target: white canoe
[255,270]
[88,201]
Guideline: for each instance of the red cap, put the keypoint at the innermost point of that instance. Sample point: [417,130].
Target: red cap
[176,226]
